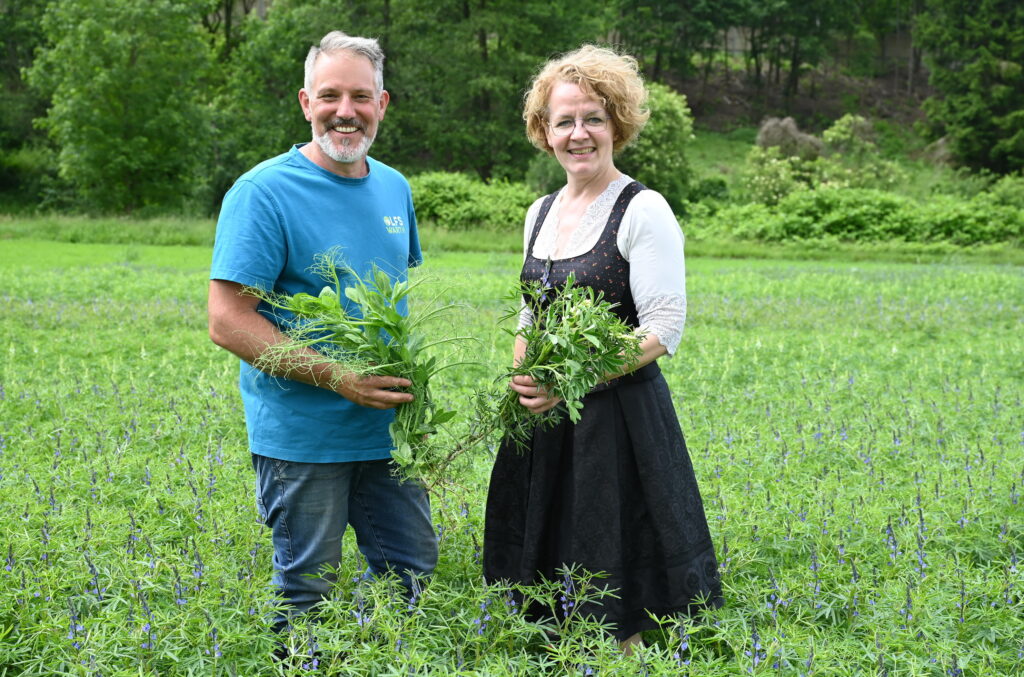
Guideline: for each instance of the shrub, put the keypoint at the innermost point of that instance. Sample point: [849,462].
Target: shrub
[1009,191]
[461,202]
[657,158]
[851,135]
[544,175]
[851,161]
[865,215]
[768,175]
[24,172]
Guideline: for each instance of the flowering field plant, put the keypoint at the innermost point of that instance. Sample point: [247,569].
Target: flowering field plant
[574,343]
[856,429]
[376,340]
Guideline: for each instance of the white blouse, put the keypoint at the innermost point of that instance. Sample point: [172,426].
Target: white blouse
[649,239]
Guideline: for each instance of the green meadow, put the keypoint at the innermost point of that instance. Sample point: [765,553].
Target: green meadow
[856,427]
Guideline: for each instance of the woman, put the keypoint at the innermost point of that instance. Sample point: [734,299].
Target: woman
[615,492]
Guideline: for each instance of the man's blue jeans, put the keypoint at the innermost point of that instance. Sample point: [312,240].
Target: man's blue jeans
[308,505]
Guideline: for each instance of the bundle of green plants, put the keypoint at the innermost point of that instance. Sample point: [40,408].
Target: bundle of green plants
[574,343]
[376,339]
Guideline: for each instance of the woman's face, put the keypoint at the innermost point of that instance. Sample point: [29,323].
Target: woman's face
[585,150]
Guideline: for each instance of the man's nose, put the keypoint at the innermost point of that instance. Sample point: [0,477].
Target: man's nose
[346,107]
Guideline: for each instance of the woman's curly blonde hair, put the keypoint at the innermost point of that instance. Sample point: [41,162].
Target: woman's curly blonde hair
[612,78]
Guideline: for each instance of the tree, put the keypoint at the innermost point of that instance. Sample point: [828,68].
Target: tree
[666,34]
[460,69]
[22,161]
[220,22]
[793,33]
[20,34]
[975,52]
[658,157]
[126,115]
[256,110]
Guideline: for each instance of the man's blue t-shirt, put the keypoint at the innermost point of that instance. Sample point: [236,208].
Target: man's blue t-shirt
[275,219]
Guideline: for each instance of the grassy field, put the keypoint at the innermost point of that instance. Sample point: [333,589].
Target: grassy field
[856,427]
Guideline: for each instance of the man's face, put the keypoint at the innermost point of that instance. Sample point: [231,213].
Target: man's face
[343,109]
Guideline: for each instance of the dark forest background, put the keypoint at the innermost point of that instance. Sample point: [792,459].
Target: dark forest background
[148,107]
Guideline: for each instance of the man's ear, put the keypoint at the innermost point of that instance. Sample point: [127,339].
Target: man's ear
[304,102]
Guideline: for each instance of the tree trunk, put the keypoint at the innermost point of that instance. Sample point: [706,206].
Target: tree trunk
[793,81]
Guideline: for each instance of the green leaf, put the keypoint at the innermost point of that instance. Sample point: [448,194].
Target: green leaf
[443,416]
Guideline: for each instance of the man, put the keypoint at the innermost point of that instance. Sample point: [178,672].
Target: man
[318,435]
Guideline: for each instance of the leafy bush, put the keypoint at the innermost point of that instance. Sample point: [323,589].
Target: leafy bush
[709,188]
[460,202]
[126,113]
[23,173]
[851,135]
[768,175]
[657,158]
[865,215]
[544,175]
[851,161]
[1008,190]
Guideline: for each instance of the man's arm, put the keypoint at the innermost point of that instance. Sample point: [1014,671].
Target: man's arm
[236,326]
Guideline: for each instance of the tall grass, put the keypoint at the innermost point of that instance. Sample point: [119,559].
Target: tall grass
[856,429]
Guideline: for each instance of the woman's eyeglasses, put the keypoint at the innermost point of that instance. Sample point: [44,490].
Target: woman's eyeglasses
[565,126]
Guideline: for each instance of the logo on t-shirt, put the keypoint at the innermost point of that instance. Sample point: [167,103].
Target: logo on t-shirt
[394,224]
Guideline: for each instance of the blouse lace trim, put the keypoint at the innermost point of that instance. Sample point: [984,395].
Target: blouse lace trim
[585,236]
[663,316]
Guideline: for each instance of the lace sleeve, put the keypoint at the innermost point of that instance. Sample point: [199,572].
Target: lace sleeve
[663,316]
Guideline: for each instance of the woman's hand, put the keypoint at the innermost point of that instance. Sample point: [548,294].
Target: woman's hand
[532,395]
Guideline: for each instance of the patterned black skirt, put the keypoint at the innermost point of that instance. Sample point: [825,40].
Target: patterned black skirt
[614,493]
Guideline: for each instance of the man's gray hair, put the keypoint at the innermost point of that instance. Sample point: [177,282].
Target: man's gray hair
[336,41]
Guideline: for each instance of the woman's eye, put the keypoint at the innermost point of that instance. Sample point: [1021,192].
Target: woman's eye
[564,124]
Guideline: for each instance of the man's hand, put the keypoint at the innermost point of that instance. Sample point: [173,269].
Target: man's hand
[237,326]
[374,391]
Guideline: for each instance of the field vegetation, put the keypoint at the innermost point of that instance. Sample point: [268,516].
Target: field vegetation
[856,428]
[850,382]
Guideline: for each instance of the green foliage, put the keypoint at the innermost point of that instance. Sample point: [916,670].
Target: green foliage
[866,215]
[459,202]
[833,410]
[124,81]
[768,175]
[360,324]
[164,231]
[574,342]
[1008,191]
[20,35]
[459,73]
[851,135]
[256,110]
[975,53]
[544,175]
[851,161]
[24,172]
[657,158]
[667,35]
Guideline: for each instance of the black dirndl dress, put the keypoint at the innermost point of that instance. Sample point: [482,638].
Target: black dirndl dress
[614,493]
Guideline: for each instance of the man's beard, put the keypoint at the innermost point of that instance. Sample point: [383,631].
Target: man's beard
[346,154]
